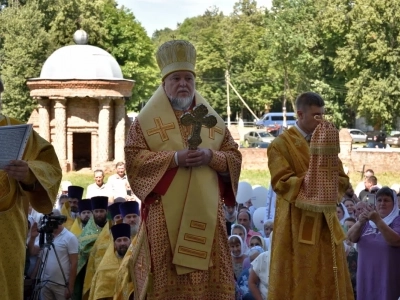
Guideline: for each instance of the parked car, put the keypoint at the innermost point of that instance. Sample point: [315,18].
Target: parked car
[275,118]
[259,145]
[379,145]
[393,132]
[393,140]
[358,136]
[257,137]
[376,136]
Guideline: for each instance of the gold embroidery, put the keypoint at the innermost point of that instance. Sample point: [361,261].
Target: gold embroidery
[192,252]
[329,168]
[161,129]
[195,238]
[141,267]
[213,130]
[198,225]
[299,142]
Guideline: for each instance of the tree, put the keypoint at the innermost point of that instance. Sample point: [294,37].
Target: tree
[128,42]
[370,61]
[24,50]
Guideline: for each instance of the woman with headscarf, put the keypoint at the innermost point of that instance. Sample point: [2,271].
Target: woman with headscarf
[342,213]
[350,204]
[237,247]
[243,280]
[230,217]
[377,234]
[241,231]
[259,275]
[254,242]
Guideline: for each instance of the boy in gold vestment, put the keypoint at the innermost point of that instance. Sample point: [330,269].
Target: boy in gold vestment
[308,261]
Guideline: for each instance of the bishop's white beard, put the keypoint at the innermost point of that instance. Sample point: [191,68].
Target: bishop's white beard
[134,229]
[181,103]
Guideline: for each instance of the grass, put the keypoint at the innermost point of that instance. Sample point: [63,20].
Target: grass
[254,177]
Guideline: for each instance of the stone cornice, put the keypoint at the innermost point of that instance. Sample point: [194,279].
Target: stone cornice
[80,88]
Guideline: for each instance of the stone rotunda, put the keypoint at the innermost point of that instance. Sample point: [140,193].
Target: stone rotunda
[81,94]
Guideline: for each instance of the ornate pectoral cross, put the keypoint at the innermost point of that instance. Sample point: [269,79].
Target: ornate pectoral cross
[198,118]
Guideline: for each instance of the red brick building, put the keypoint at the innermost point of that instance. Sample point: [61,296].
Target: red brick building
[81,97]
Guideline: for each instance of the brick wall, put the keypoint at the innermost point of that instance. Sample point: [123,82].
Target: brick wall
[385,160]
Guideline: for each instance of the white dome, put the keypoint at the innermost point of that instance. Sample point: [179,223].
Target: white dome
[81,62]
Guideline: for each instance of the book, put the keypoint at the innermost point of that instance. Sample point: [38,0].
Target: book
[13,141]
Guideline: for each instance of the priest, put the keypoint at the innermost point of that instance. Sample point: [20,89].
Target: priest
[34,179]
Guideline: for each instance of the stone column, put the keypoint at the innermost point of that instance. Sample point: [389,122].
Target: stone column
[104,130]
[44,119]
[60,137]
[94,150]
[119,136]
[70,150]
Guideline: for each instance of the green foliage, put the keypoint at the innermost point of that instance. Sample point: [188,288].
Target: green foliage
[348,51]
[370,59]
[31,32]
[23,51]
[128,43]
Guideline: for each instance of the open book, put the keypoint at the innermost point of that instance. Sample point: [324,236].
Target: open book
[13,140]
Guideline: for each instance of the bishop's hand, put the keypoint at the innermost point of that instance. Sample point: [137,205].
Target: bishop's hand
[194,158]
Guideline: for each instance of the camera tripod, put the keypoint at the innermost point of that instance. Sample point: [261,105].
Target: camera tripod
[49,245]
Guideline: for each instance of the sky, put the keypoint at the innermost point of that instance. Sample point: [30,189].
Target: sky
[158,14]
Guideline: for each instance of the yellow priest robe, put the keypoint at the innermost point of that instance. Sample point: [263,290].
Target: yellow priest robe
[95,257]
[147,167]
[86,240]
[43,163]
[77,227]
[103,282]
[124,284]
[66,211]
[302,252]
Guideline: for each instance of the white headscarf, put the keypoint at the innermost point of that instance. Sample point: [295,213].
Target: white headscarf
[345,215]
[242,245]
[245,236]
[393,215]
[230,217]
[263,245]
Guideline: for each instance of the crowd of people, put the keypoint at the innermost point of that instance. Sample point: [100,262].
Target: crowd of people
[362,244]
[167,226]
[76,251]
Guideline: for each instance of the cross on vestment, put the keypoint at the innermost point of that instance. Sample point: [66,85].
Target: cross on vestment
[197,118]
[213,130]
[141,267]
[161,129]
[329,168]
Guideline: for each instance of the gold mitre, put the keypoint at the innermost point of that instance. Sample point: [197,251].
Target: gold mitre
[176,55]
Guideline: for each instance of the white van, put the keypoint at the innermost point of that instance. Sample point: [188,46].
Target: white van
[276,118]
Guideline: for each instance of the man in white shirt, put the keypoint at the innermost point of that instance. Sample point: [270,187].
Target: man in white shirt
[53,282]
[118,183]
[361,185]
[98,188]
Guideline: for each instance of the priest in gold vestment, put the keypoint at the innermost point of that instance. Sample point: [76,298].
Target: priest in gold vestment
[181,250]
[308,260]
[35,179]
[103,282]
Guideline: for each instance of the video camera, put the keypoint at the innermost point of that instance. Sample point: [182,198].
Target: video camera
[49,222]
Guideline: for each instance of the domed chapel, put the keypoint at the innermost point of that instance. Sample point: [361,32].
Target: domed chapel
[81,97]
